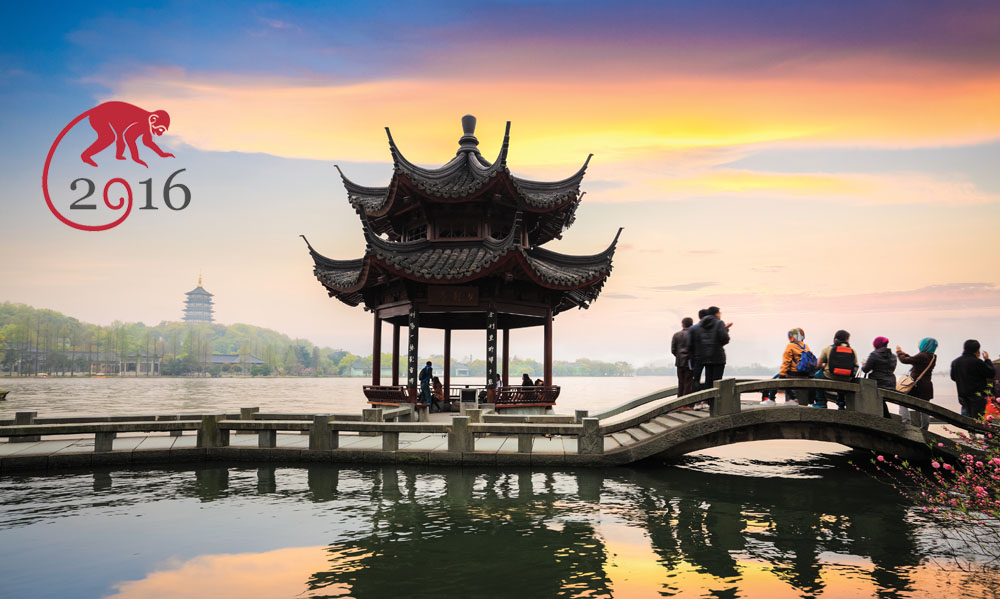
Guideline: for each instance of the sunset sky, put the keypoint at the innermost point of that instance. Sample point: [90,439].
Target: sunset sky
[821,165]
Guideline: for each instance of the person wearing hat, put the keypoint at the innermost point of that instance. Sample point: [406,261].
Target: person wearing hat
[881,367]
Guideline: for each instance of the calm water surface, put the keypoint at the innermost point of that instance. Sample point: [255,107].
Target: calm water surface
[770,519]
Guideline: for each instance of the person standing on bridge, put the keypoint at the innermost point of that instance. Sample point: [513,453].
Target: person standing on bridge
[881,366]
[682,360]
[790,365]
[972,373]
[921,369]
[692,339]
[708,340]
[837,362]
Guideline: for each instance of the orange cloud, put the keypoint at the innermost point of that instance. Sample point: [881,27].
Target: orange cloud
[562,120]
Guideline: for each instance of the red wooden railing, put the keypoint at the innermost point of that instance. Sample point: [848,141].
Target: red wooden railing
[544,395]
[388,394]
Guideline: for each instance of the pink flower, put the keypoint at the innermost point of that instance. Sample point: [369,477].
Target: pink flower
[947,466]
[881,459]
[936,464]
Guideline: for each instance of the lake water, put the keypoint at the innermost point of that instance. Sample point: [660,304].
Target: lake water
[767,519]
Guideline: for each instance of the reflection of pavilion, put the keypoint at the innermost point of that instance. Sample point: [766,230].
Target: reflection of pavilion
[692,519]
[432,533]
[459,248]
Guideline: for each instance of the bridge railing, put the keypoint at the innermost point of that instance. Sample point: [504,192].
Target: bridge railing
[324,429]
[214,430]
[725,398]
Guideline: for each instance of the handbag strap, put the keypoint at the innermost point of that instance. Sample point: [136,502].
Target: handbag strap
[929,364]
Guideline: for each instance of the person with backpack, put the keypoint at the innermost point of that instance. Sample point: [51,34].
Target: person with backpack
[972,372]
[796,362]
[881,366]
[921,369]
[837,362]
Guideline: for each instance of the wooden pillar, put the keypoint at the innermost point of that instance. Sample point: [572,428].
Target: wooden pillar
[412,346]
[505,372]
[491,348]
[548,347]
[447,364]
[395,354]
[377,352]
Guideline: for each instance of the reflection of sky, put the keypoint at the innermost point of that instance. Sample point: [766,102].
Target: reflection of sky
[735,143]
[633,570]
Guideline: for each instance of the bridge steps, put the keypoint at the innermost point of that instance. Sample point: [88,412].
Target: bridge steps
[638,434]
[652,427]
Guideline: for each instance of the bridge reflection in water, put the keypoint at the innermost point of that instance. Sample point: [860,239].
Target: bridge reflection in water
[400,531]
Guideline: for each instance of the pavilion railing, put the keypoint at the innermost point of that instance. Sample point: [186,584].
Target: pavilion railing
[540,395]
[389,394]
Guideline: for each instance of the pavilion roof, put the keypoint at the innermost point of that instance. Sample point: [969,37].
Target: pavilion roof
[579,277]
[465,175]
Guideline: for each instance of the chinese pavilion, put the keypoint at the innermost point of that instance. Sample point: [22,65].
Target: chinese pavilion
[458,248]
[198,305]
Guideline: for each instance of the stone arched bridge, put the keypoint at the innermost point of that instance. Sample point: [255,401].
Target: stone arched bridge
[657,425]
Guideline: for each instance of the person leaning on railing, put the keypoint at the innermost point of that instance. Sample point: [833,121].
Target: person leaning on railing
[921,370]
[789,366]
[837,362]
[881,367]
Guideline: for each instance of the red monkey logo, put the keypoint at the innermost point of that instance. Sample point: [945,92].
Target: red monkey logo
[120,123]
[124,123]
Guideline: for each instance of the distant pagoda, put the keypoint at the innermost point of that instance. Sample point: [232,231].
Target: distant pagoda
[198,305]
[459,248]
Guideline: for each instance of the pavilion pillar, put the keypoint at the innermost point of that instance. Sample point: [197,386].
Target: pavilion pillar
[412,344]
[447,364]
[377,352]
[548,346]
[395,354]
[491,352]
[505,373]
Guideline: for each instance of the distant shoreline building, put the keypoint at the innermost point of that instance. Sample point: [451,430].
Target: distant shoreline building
[198,305]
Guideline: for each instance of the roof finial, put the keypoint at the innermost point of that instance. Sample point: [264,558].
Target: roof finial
[468,141]
[199,278]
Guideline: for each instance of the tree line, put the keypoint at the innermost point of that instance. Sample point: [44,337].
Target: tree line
[37,341]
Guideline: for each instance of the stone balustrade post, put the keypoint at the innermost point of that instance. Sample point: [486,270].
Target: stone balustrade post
[728,400]
[865,400]
[475,416]
[460,437]
[267,439]
[579,415]
[247,414]
[104,441]
[371,415]
[320,434]
[591,442]
[525,442]
[24,418]
[390,441]
[210,435]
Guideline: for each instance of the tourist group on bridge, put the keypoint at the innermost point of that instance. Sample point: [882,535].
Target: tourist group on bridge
[700,358]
